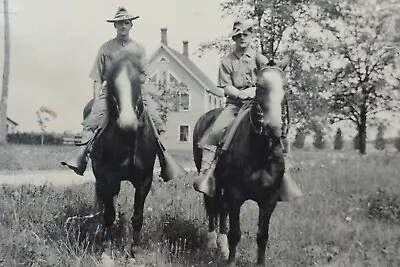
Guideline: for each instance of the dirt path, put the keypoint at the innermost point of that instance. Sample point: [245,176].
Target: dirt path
[55,177]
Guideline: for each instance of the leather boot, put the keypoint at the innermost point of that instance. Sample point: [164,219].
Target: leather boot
[78,162]
[206,183]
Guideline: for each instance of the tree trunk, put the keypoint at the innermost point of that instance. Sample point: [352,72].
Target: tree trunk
[6,71]
[362,131]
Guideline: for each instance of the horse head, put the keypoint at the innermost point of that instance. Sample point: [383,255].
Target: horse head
[270,92]
[125,90]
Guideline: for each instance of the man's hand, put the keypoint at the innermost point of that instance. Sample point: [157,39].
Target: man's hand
[242,95]
[249,92]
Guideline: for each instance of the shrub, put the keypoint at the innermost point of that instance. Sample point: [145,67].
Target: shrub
[397,142]
[34,139]
[356,142]
[384,207]
[319,139]
[380,139]
[338,142]
[300,138]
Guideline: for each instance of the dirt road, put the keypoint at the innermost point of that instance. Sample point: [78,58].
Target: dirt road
[55,177]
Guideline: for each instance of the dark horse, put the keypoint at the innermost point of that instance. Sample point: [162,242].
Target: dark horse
[251,168]
[127,148]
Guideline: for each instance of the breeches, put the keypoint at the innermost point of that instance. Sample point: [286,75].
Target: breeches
[99,112]
[215,133]
[228,114]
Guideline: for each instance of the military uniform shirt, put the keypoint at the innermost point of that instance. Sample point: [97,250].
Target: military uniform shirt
[108,51]
[240,71]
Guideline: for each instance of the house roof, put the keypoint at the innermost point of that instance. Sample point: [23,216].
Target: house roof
[13,122]
[192,68]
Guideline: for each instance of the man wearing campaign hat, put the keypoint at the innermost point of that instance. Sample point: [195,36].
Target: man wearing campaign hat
[237,77]
[123,22]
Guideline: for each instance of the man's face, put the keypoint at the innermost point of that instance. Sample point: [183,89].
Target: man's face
[123,27]
[242,40]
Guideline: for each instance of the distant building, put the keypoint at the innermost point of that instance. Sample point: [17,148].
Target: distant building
[11,126]
[202,95]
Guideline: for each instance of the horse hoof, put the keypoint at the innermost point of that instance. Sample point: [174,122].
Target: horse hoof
[231,264]
[106,260]
[131,262]
[222,242]
[134,251]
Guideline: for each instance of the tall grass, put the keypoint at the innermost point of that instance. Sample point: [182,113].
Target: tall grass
[347,218]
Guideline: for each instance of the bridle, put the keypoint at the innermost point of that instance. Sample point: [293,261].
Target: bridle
[257,126]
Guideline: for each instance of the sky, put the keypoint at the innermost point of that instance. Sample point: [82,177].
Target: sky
[54,44]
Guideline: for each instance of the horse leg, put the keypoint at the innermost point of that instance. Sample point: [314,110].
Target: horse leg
[137,218]
[109,218]
[212,215]
[223,230]
[234,233]
[105,194]
[264,217]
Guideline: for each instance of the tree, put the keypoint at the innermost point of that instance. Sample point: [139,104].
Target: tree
[359,40]
[300,138]
[275,32]
[271,19]
[338,142]
[6,73]
[168,95]
[356,142]
[319,139]
[380,139]
[397,142]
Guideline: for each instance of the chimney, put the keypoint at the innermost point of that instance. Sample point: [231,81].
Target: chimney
[185,48]
[164,36]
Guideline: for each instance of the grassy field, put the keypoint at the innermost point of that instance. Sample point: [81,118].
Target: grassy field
[350,216]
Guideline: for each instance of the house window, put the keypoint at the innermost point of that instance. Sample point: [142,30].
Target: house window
[183,101]
[154,78]
[173,80]
[184,133]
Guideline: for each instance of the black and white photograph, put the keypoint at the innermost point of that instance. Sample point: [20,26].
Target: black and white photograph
[200,133]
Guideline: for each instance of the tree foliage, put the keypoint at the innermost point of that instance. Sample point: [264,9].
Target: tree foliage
[355,46]
[167,95]
[343,56]
[271,20]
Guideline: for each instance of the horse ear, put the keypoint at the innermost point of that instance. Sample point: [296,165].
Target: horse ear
[284,63]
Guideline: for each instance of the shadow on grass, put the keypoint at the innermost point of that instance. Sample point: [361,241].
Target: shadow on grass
[185,242]
[384,206]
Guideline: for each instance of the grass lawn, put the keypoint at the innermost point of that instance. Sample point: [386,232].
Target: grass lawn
[350,216]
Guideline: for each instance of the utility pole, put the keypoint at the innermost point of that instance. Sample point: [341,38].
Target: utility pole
[6,73]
